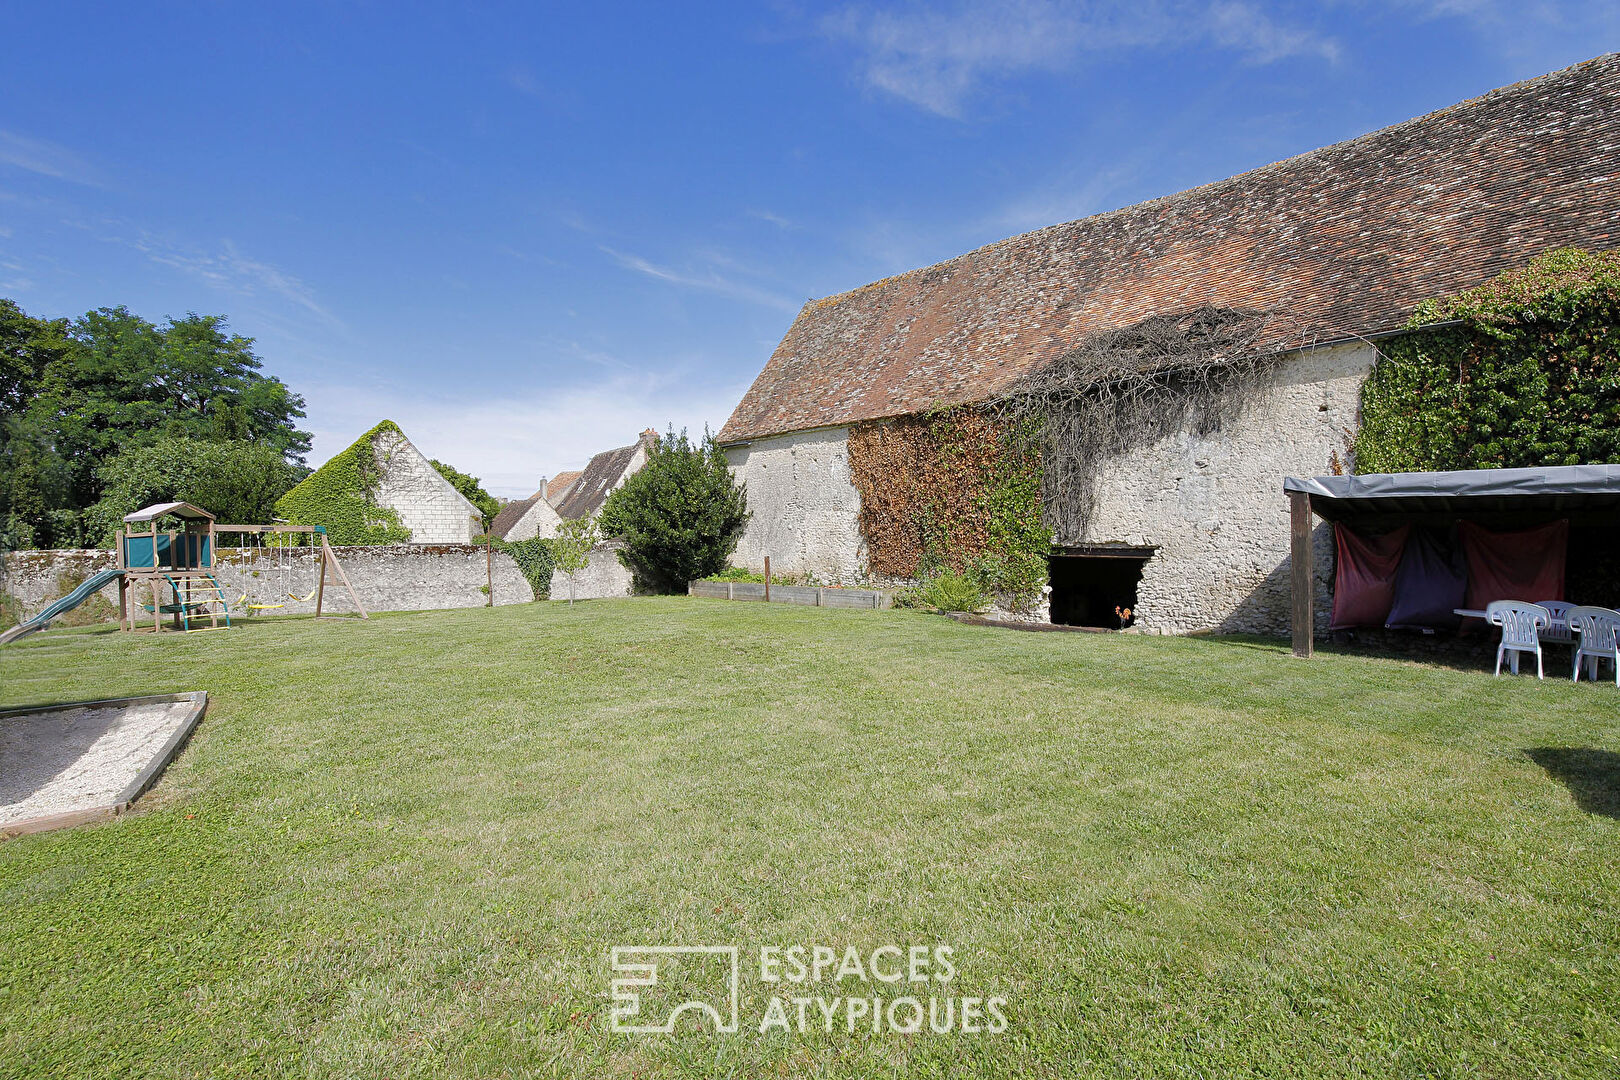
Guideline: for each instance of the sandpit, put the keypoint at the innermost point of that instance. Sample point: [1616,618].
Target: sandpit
[67,764]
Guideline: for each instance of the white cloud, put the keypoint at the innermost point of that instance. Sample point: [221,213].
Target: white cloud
[785,224]
[512,442]
[45,158]
[706,280]
[230,270]
[938,57]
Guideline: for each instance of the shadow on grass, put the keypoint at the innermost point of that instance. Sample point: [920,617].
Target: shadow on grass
[1592,776]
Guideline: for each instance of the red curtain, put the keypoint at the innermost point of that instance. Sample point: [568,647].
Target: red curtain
[1364,579]
[1526,565]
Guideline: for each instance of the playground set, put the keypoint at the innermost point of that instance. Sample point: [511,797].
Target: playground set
[171,572]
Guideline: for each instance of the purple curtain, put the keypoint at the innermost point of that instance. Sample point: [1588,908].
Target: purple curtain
[1430,584]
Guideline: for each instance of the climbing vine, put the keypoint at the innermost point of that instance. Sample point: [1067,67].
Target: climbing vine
[342,495]
[1525,373]
[535,557]
[952,490]
[1121,389]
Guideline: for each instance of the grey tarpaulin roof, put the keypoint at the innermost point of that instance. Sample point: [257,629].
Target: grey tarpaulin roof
[1554,489]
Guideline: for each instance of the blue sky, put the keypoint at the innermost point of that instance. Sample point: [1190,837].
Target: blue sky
[526,234]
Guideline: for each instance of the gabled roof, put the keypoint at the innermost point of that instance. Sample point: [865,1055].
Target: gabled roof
[1349,239]
[604,473]
[558,485]
[178,509]
[510,515]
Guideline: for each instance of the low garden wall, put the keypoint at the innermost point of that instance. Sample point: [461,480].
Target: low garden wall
[811,595]
[604,576]
[391,577]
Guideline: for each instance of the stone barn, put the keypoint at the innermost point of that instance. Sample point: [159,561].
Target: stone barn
[1189,530]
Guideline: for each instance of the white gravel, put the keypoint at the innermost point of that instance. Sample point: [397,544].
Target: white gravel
[78,759]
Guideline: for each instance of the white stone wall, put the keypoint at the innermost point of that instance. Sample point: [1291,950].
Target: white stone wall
[1212,505]
[806,511]
[392,577]
[427,503]
[605,576]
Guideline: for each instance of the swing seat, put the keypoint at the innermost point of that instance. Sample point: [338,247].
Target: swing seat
[263,607]
[303,599]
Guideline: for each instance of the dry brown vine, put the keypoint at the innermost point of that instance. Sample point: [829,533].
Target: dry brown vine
[1119,390]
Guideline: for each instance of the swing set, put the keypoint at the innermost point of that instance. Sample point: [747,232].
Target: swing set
[175,569]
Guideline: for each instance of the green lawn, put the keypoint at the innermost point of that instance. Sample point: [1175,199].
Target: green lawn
[404,848]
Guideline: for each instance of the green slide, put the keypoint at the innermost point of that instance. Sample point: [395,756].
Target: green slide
[72,600]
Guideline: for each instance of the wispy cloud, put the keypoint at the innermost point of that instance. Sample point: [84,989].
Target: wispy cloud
[783,223]
[706,280]
[45,158]
[230,270]
[938,57]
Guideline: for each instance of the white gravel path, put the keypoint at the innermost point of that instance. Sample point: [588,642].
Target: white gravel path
[78,759]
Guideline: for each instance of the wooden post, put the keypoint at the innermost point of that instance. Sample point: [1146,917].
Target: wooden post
[489,572]
[1304,576]
[320,586]
[767,579]
[343,579]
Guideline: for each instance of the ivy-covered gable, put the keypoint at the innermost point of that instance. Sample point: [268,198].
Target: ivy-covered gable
[342,495]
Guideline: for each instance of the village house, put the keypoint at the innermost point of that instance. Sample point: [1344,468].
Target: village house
[525,519]
[584,495]
[1190,530]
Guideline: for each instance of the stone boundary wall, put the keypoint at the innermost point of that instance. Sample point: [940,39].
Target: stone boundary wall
[604,577]
[390,577]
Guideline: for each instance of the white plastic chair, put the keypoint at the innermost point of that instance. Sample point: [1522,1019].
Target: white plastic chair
[1597,627]
[1521,624]
[1559,631]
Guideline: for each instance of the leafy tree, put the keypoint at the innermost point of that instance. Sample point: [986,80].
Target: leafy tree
[470,486]
[126,383]
[73,395]
[571,548]
[237,482]
[34,478]
[680,516]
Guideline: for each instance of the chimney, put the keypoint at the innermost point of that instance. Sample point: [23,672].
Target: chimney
[649,437]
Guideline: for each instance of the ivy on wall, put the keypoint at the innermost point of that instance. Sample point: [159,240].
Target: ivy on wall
[952,490]
[534,556]
[1528,375]
[342,495]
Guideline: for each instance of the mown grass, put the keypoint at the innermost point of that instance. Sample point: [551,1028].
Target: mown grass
[403,848]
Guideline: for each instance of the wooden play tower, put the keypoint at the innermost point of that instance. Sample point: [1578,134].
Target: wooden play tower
[171,572]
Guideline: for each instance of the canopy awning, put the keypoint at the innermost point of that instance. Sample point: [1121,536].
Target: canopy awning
[1558,489]
[178,509]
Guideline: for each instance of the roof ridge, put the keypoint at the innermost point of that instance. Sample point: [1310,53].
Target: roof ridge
[1212,185]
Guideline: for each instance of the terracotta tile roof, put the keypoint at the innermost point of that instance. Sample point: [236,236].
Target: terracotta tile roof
[1349,238]
[558,486]
[510,515]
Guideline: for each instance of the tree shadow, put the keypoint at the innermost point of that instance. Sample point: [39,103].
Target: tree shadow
[1592,776]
